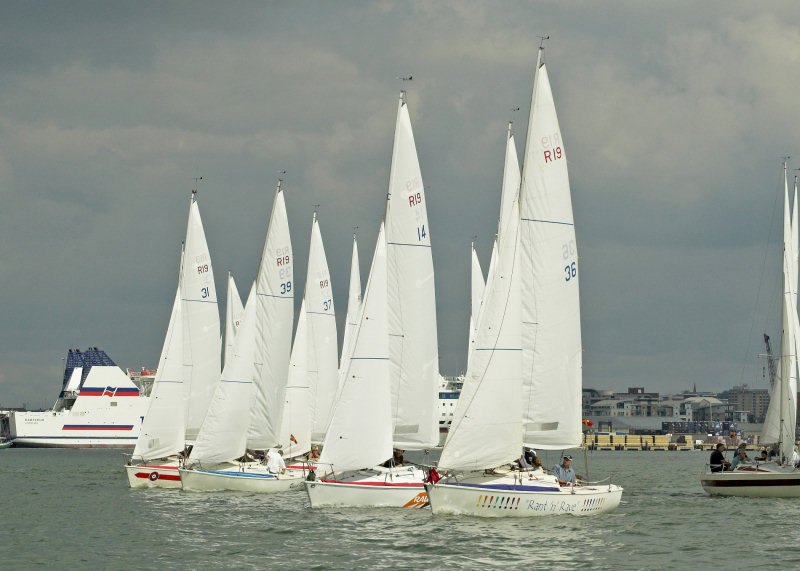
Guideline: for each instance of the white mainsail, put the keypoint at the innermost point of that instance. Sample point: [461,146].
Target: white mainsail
[233,316]
[411,298]
[323,344]
[551,327]
[360,431]
[274,322]
[298,406]
[477,287]
[200,323]
[511,182]
[163,430]
[223,434]
[486,429]
[780,420]
[353,309]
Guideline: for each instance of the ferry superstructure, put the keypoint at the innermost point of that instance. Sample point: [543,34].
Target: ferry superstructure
[449,390]
[99,407]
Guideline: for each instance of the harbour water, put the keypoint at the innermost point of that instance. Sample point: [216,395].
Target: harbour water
[73,509]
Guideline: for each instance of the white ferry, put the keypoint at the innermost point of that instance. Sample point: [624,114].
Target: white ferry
[99,407]
[449,390]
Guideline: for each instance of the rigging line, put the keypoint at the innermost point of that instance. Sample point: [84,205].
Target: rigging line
[758,291]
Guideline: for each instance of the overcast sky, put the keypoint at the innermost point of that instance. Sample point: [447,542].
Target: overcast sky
[675,116]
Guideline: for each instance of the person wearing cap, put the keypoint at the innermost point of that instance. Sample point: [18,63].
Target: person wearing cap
[564,472]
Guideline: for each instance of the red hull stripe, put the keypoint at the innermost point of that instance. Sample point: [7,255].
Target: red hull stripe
[750,483]
[386,484]
[97,427]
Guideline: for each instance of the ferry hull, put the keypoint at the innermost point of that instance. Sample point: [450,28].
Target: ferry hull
[520,500]
[60,442]
[753,483]
[368,488]
[233,479]
[153,476]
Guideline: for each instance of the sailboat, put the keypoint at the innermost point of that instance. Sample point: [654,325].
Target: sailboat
[245,410]
[313,369]
[189,359]
[780,478]
[395,349]
[523,386]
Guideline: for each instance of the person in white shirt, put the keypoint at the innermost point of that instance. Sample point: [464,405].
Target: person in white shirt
[275,463]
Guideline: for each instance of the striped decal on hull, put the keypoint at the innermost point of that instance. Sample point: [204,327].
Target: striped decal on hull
[751,483]
[97,427]
[386,484]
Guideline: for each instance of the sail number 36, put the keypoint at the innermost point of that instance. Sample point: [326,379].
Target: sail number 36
[568,252]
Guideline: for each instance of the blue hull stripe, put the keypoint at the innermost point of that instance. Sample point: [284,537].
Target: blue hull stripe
[505,487]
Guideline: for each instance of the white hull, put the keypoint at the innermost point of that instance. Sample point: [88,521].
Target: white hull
[241,479]
[508,496]
[395,488]
[753,482]
[162,475]
[95,428]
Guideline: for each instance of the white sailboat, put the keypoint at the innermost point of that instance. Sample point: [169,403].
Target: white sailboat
[244,410]
[526,369]
[233,316]
[780,478]
[313,368]
[180,389]
[408,303]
